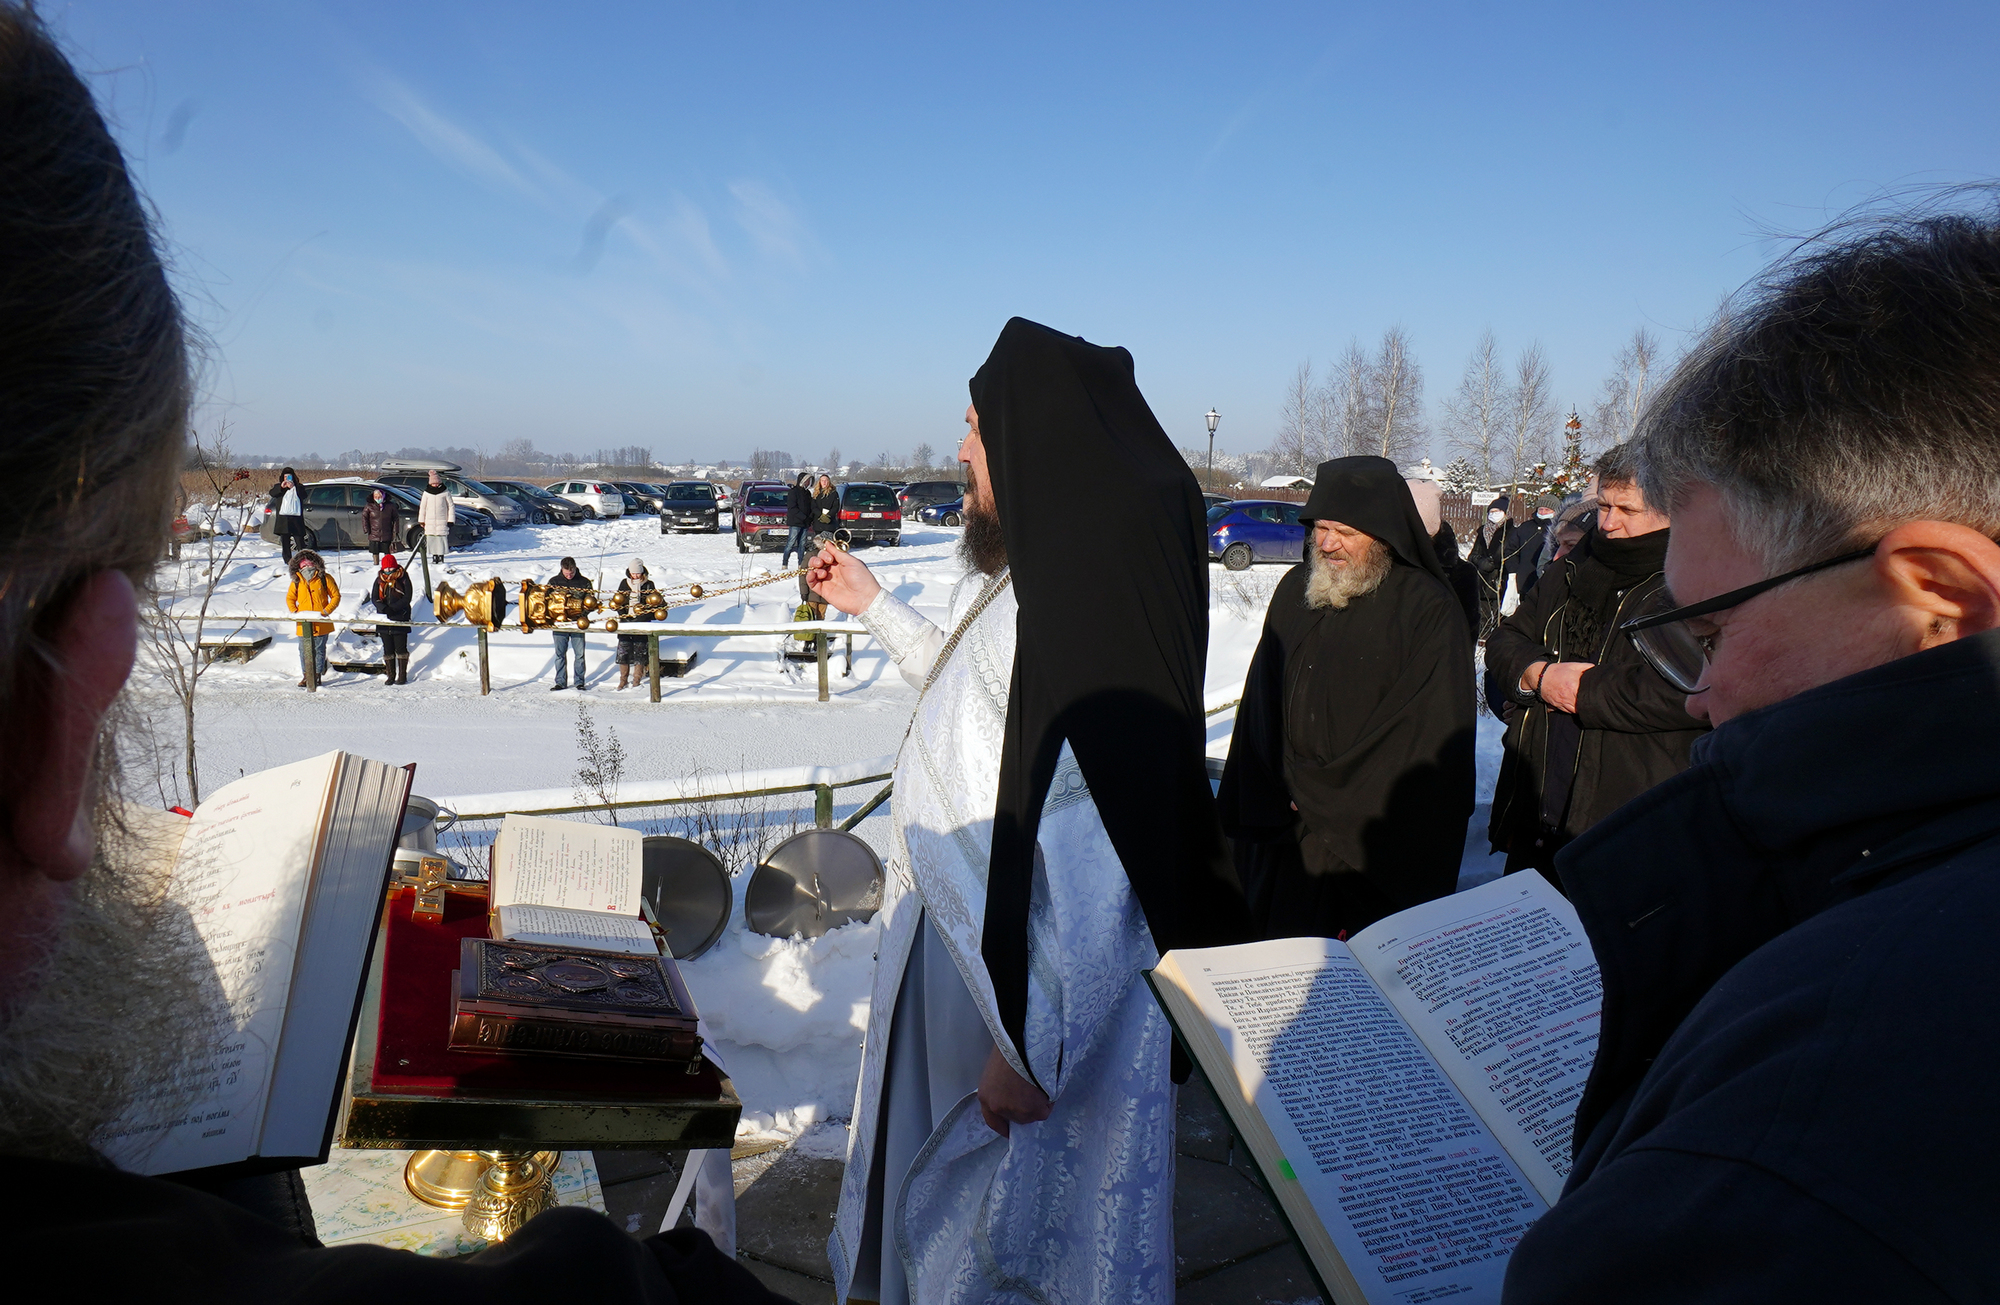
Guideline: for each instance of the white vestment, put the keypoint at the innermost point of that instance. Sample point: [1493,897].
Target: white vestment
[1077,1208]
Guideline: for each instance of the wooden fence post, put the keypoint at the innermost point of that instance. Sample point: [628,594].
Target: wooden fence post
[653,663]
[850,656]
[819,649]
[485,670]
[823,806]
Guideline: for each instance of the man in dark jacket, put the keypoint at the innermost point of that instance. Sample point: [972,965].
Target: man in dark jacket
[102,989]
[1793,1093]
[569,643]
[798,519]
[1597,725]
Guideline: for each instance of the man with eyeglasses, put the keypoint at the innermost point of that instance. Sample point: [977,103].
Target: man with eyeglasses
[1793,1093]
[1595,724]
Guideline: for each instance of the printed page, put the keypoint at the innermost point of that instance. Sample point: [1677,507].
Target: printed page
[1419,1198]
[245,866]
[1500,983]
[561,928]
[570,863]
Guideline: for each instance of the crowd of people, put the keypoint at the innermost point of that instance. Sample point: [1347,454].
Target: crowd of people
[1747,691]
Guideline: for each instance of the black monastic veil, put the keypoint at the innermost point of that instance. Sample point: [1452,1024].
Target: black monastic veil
[1112,642]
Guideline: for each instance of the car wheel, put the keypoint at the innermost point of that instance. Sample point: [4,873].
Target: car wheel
[1238,557]
[951,519]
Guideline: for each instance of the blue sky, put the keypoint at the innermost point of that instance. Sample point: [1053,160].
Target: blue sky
[717,227]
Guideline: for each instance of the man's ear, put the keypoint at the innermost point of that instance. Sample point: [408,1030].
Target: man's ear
[1946,576]
[62,707]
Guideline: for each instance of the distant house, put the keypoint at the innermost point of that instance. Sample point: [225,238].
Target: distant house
[1286,482]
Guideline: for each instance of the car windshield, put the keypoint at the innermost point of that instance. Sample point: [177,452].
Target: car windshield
[478,487]
[869,496]
[764,498]
[691,494]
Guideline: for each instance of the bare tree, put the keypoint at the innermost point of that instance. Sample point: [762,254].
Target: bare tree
[922,456]
[1616,415]
[1399,396]
[600,765]
[216,515]
[833,461]
[1531,414]
[1296,447]
[1474,416]
[1350,385]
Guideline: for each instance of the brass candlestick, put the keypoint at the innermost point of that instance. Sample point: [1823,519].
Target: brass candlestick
[498,1190]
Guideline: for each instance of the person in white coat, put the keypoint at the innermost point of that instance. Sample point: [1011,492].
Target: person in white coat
[1012,1133]
[434,511]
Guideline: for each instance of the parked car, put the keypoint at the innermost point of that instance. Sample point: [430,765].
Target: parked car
[868,512]
[481,521]
[1246,531]
[650,497]
[724,500]
[689,505]
[598,498]
[951,513]
[760,524]
[1211,500]
[543,508]
[913,498]
[414,473]
[333,517]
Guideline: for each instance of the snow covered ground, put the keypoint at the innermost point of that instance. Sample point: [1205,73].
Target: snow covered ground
[787,1014]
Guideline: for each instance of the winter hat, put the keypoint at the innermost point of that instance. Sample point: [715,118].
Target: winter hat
[1548,501]
[1428,494]
[637,566]
[388,561]
[1498,504]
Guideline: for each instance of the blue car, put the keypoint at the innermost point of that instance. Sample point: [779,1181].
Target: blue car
[943,514]
[1249,531]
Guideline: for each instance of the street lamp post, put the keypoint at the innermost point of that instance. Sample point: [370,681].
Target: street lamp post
[1214,419]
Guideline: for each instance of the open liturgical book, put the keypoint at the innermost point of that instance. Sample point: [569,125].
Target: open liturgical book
[1409,1094]
[282,875]
[567,883]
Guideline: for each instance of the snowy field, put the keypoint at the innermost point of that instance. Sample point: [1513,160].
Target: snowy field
[787,1015]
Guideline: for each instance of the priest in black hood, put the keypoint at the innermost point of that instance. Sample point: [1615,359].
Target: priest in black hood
[1350,775]
[1054,832]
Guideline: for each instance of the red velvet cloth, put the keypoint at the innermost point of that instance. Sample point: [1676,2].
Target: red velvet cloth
[410,1055]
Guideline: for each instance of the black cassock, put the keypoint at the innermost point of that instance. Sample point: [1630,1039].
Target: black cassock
[1363,717]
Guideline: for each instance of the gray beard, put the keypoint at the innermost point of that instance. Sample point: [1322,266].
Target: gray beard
[124,999]
[1337,586]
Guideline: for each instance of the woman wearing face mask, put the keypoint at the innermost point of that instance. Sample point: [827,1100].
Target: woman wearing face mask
[378,518]
[1489,556]
[287,506]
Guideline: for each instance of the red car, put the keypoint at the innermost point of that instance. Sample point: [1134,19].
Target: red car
[760,516]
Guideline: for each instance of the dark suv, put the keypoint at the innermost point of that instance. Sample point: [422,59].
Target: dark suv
[912,499]
[870,514]
[760,516]
[542,507]
[689,505]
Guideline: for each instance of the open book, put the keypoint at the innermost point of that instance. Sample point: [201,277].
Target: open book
[568,883]
[1409,1094]
[282,874]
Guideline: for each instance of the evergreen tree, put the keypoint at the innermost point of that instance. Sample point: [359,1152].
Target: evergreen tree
[1460,476]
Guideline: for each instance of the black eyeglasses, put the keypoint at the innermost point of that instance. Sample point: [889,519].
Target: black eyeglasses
[1659,629]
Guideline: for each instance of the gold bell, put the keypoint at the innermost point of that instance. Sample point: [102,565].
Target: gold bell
[448,603]
[694,591]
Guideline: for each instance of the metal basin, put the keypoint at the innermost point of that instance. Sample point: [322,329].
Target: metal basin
[423,821]
[689,890]
[814,881]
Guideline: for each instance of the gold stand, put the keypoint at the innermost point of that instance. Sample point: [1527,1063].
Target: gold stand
[498,1190]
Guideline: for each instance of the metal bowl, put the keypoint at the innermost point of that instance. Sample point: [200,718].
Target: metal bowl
[689,890]
[814,881]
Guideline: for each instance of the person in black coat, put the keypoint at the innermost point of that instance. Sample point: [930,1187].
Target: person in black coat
[1461,575]
[798,519]
[632,648]
[1596,725]
[287,508]
[391,597]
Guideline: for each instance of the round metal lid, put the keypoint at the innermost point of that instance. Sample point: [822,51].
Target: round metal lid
[814,881]
[689,890]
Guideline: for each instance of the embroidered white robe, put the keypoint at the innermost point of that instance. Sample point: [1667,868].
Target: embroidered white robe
[1077,1208]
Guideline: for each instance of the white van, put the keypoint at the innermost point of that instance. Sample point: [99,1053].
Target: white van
[600,498]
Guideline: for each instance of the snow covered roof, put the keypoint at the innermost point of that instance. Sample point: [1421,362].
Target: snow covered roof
[1285,482]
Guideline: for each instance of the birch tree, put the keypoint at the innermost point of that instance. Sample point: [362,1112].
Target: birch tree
[1616,416]
[1350,383]
[1531,414]
[1474,416]
[1399,397]
[1297,446]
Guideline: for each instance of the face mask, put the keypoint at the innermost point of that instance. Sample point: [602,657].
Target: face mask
[1496,517]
